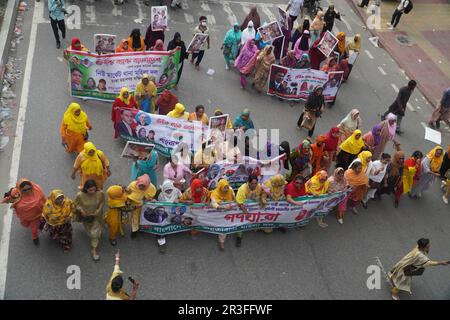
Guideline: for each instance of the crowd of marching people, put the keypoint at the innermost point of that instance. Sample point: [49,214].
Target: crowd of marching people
[347,157]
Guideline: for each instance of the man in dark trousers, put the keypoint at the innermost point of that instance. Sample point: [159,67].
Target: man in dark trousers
[329,17]
[57,11]
[398,107]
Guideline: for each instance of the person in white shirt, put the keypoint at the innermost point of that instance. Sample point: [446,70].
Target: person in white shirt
[294,8]
[376,173]
[397,14]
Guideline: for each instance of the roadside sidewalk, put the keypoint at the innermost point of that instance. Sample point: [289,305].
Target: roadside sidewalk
[420,44]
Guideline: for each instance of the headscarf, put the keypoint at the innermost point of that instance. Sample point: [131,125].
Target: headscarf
[336,182]
[30,201]
[327,67]
[304,42]
[376,134]
[318,22]
[355,44]
[318,151]
[149,89]
[253,16]
[248,34]
[54,214]
[136,39]
[348,121]
[285,149]
[392,128]
[275,187]
[364,156]
[289,61]
[293,191]
[248,51]
[341,42]
[178,112]
[169,197]
[197,196]
[117,197]
[120,46]
[75,123]
[239,122]
[267,58]
[354,179]
[331,143]
[231,36]
[143,180]
[315,101]
[159,45]
[395,165]
[302,146]
[435,162]
[220,196]
[92,164]
[351,144]
[122,98]
[76,44]
[315,187]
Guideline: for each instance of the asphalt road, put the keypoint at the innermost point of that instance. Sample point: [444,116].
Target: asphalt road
[311,263]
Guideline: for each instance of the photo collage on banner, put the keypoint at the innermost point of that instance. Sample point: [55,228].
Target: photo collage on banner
[105,43]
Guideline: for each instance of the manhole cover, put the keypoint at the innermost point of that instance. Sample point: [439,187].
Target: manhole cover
[404,40]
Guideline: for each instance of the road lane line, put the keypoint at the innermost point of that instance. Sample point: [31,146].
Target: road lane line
[231,17]
[346,24]
[188,17]
[245,8]
[117,10]
[423,124]
[141,15]
[90,13]
[395,87]
[211,19]
[17,149]
[205,6]
[382,71]
[369,54]
[409,106]
[268,13]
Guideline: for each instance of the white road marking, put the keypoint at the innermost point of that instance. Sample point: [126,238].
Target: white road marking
[382,71]
[185,5]
[423,124]
[349,27]
[188,17]
[141,15]
[211,19]
[395,87]
[205,6]
[268,13]
[245,8]
[117,10]
[60,59]
[231,17]
[369,54]
[419,108]
[409,106]
[17,149]
[73,19]
[90,13]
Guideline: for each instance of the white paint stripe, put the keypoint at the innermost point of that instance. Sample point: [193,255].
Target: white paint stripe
[231,17]
[245,8]
[268,13]
[382,71]
[211,19]
[141,15]
[185,5]
[205,7]
[369,54]
[15,159]
[90,13]
[395,87]
[423,124]
[189,18]
[117,10]
[409,106]
[349,27]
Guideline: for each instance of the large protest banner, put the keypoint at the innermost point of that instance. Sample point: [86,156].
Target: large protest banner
[296,84]
[164,132]
[165,218]
[100,77]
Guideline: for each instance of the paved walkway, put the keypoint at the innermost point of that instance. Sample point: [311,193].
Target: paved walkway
[425,51]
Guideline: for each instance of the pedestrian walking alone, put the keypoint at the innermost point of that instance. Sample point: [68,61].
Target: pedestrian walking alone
[314,107]
[405,6]
[442,113]
[114,289]
[201,28]
[413,264]
[398,107]
[57,12]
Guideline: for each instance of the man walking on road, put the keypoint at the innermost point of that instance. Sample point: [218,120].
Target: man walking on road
[442,113]
[404,7]
[398,107]
[57,11]
[296,9]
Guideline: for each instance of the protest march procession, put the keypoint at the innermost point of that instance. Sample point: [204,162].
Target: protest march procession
[222,174]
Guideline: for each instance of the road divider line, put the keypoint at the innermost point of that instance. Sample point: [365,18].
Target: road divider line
[17,149]
[423,124]
[211,19]
[141,15]
[268,13]
[346,24]
[394,87]
[205,6]
[369,54]
[382,71]
[409,106]
[231,17]
[245,8]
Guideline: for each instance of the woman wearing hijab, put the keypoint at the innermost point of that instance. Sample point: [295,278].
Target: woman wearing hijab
[289,61]
[388,127]
[349,124]
[314,107]
[354,44]
[317,26]
[331,146]
[365,157]
[246,60]
[176,171]
[295,189]
[231,44]
[179,112]
[118,211]
[220,195]
[319,156]
[262,68]
[281,44]
[411,172]
[302,44]
[304,62]
[152,36]
[317,186]
[431,166]
[243,121]
[89,211]
[273,191]
[145,94]
[316,55]
[341,45]
[57,213]
[373,139]
[300,160]
[344,67]
[338,183]
[175,43]
[146,166]
[196,194]
[358,181]
[392,182]
[124,101]
[92,164]
[77,45]
[299,32]
[376,172]
[219,112]
[350,149]
[136,41]
[124,46]
[329,17]
[253,16]
[248,33]
[74,128]
[159,46]
[139,191]
[28,203]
